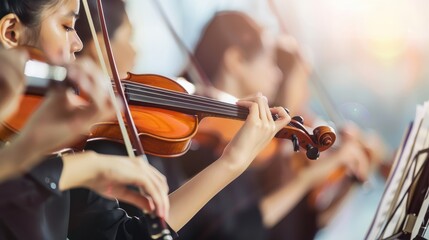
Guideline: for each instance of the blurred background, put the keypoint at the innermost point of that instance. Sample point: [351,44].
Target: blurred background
[369,55]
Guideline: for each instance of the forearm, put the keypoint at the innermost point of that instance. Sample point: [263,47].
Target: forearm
[278,204]
[186,201]
[72,167]
[275,206]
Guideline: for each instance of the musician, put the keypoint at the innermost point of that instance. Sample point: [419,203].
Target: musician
[35,205]
[49,25]
[239,59]
[305,220]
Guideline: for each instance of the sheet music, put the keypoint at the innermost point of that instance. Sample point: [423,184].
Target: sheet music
[415,140]
[425,204]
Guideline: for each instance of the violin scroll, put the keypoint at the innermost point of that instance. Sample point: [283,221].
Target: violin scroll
[324,135]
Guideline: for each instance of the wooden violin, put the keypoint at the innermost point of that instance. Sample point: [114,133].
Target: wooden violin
[167,117]
[171,118]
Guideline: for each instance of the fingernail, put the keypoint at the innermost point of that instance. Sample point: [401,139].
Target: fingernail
[265,98]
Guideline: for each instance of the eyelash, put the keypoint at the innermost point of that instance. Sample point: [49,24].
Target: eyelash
[68,29]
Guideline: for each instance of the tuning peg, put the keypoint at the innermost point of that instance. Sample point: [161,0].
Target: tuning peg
[295,143]
[298,119]
[312,152]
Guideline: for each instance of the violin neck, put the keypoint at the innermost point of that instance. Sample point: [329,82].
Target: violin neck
[144,95]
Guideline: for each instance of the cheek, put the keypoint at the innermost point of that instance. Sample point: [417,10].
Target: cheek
[53,42]
[125,56]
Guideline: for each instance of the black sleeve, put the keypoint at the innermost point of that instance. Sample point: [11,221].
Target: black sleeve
[32,207]
[94,217]
[37,185]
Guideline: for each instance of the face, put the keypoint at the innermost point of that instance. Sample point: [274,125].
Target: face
[261,73]
[123,50]
[58,39]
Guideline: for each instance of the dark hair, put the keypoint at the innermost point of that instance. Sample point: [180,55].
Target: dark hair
[28,11]
[114,9]
[227,29]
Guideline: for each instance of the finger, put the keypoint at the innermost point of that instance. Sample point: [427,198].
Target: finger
[359,163]
[160,197]
[99,107]
[268,111]
[144,180]
[134,198]
[162,179]
[84,73]
[263,108]
[165,189]
[283,119]
[102,98]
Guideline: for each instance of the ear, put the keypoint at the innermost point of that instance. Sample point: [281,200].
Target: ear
[233,60]
[11,30]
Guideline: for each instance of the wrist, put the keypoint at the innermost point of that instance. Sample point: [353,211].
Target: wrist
[234,162]
[78,170]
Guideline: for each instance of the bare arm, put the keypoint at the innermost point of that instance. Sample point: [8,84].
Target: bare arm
[275,206]
[255,134]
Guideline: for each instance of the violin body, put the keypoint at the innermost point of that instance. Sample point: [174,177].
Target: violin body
[163,132]
[28,104]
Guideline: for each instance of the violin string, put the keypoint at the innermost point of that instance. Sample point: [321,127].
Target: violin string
[183,96]
[182,100]
[192,108]
[147,97]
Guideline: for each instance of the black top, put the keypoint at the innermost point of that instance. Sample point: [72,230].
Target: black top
[94,217]
[32,207]
[233,214]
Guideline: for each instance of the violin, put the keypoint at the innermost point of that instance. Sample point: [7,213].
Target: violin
[171,118]
[167,117]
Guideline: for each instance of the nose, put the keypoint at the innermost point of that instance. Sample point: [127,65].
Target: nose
[76,45]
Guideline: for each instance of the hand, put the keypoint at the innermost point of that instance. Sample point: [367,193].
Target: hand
[12,80]
[353,154]
[257,131]
[63,116]
[110,176]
